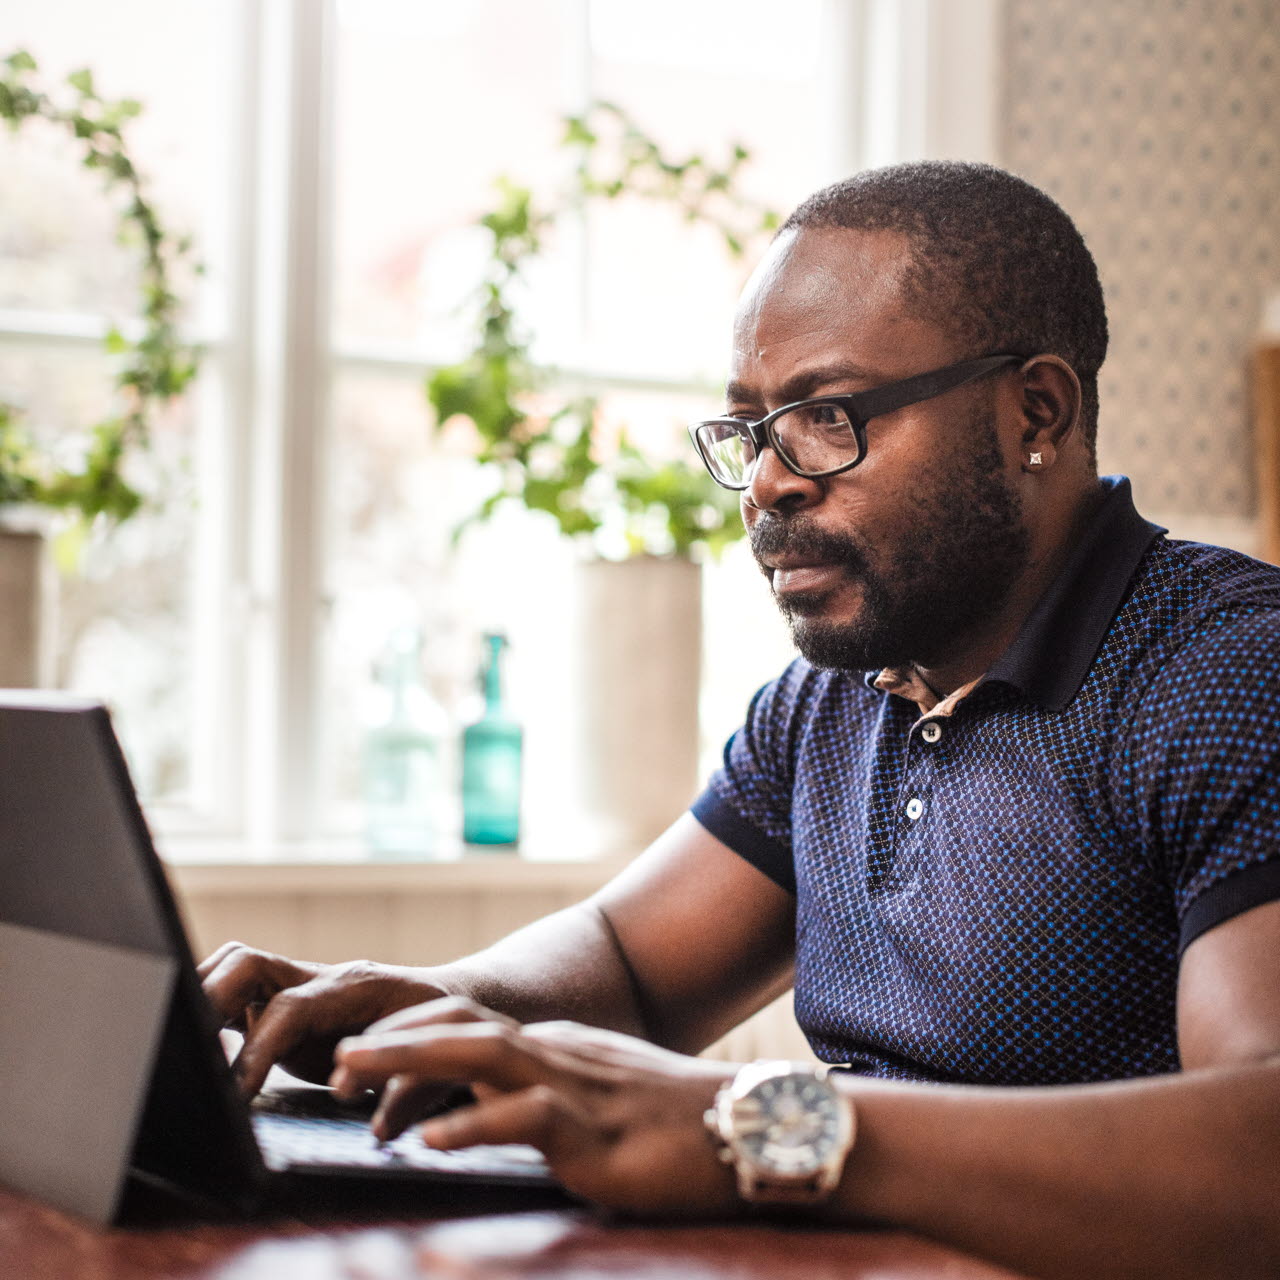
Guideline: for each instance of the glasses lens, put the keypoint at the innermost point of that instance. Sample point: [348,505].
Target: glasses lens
[728,451]
[816,437]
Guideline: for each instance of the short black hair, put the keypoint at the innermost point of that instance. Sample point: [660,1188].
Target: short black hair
[994,259]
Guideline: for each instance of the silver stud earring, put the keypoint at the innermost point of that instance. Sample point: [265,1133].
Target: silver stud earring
[1034,460]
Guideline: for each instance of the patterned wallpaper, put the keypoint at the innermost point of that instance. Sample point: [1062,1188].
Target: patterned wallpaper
[1156,124]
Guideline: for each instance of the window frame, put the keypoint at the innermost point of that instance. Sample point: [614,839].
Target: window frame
[262,449]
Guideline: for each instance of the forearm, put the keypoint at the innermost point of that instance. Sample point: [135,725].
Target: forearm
[566,965]
[1169,1177]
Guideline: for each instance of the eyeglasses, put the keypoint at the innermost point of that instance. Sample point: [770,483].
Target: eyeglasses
[825,435]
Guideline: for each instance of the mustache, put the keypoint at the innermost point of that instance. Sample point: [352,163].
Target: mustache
[773,535]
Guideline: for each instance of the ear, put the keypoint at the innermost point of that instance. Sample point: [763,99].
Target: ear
[1051,402]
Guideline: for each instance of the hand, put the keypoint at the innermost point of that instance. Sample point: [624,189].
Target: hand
[294,1012]
[619,1120]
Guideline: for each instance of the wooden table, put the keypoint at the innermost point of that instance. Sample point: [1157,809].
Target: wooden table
[39,1243]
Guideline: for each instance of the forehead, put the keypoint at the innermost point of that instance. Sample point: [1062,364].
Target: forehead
[831,295]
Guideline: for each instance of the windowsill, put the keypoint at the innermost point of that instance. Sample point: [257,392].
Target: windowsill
[210,867]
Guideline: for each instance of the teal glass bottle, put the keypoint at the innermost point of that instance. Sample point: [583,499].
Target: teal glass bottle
[491,761]
[404,792]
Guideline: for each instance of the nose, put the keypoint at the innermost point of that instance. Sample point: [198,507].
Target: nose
[775,487]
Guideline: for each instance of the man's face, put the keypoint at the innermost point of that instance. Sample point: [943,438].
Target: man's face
[900,558]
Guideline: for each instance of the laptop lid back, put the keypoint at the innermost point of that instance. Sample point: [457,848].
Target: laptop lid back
[96,981]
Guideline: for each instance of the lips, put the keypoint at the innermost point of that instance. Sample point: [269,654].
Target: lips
[800,559]
[791,576]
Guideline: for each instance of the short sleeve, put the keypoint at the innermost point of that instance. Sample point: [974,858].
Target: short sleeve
[747,801]
[1203,758]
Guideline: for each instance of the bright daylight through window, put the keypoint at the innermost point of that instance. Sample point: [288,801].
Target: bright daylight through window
[300,506]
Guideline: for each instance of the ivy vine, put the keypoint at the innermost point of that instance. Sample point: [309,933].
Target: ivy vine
[154,368]
[549,459]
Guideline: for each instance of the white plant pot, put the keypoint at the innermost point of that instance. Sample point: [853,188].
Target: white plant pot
[640,641]
[26,595]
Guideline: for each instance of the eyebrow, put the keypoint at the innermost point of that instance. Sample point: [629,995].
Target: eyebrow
[803,385]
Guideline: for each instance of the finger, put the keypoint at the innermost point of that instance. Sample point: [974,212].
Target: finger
[538,1116]
[465,1052]
[233,985]
[448,1009]
[280,1028]
[211,962]
[405,1101]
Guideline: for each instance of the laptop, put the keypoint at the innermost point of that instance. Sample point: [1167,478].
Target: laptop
[112,1072]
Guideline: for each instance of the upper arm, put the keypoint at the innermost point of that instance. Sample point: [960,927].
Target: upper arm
[1229,992]
[707,937]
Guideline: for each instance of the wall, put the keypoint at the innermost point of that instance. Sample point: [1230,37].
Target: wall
[413,913]
[1155,124]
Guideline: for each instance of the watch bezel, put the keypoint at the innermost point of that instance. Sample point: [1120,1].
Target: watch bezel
[761,1178]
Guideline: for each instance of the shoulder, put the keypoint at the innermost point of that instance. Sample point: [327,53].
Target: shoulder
[1181,582]
[1201,701]
[1195,616]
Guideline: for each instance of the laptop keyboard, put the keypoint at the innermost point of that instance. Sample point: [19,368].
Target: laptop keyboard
[290,1138]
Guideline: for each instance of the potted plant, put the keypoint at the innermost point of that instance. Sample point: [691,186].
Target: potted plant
[544,449]
[152,368]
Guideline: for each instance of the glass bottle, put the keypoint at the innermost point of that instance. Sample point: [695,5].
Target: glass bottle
[491,761]
[404,790]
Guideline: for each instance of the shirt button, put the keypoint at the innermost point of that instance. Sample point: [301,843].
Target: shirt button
[915,807]
[931,731]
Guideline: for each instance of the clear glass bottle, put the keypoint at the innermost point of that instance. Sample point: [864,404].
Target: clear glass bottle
[404,792]
[491,761]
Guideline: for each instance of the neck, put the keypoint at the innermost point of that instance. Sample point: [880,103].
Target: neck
[973,654]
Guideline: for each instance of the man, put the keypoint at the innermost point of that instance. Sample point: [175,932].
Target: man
[1011,821]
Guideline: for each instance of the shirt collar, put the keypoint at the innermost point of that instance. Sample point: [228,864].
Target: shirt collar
[1052,653]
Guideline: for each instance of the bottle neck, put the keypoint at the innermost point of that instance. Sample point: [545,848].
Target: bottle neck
[403,678]
[491,680]
[493,688]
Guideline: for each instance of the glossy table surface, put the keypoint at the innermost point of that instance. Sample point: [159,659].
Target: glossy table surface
[39,1243]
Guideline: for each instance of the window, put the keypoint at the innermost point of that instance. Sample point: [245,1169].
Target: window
[330,158]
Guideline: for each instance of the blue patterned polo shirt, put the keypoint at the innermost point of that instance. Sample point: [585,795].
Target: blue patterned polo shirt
[999,891]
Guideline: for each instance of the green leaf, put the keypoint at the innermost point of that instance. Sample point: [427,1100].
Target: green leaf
[154,368]
[547,458]
[577,134]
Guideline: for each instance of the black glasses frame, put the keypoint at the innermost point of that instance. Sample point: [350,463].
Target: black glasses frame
[859,406]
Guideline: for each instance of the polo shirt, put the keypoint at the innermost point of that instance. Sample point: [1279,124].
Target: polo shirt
[999,890]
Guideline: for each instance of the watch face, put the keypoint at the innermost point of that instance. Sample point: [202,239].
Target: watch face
[788,1124]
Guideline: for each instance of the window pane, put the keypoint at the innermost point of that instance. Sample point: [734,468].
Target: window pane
[434,102]
[396,499]
[122,618]
[732,76]
[126,618]
[58,246]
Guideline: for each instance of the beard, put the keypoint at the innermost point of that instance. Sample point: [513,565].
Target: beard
[966,548]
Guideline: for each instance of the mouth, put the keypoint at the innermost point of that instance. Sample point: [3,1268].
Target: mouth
[790,577]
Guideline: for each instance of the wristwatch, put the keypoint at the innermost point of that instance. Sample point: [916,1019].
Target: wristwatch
[785,1129]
